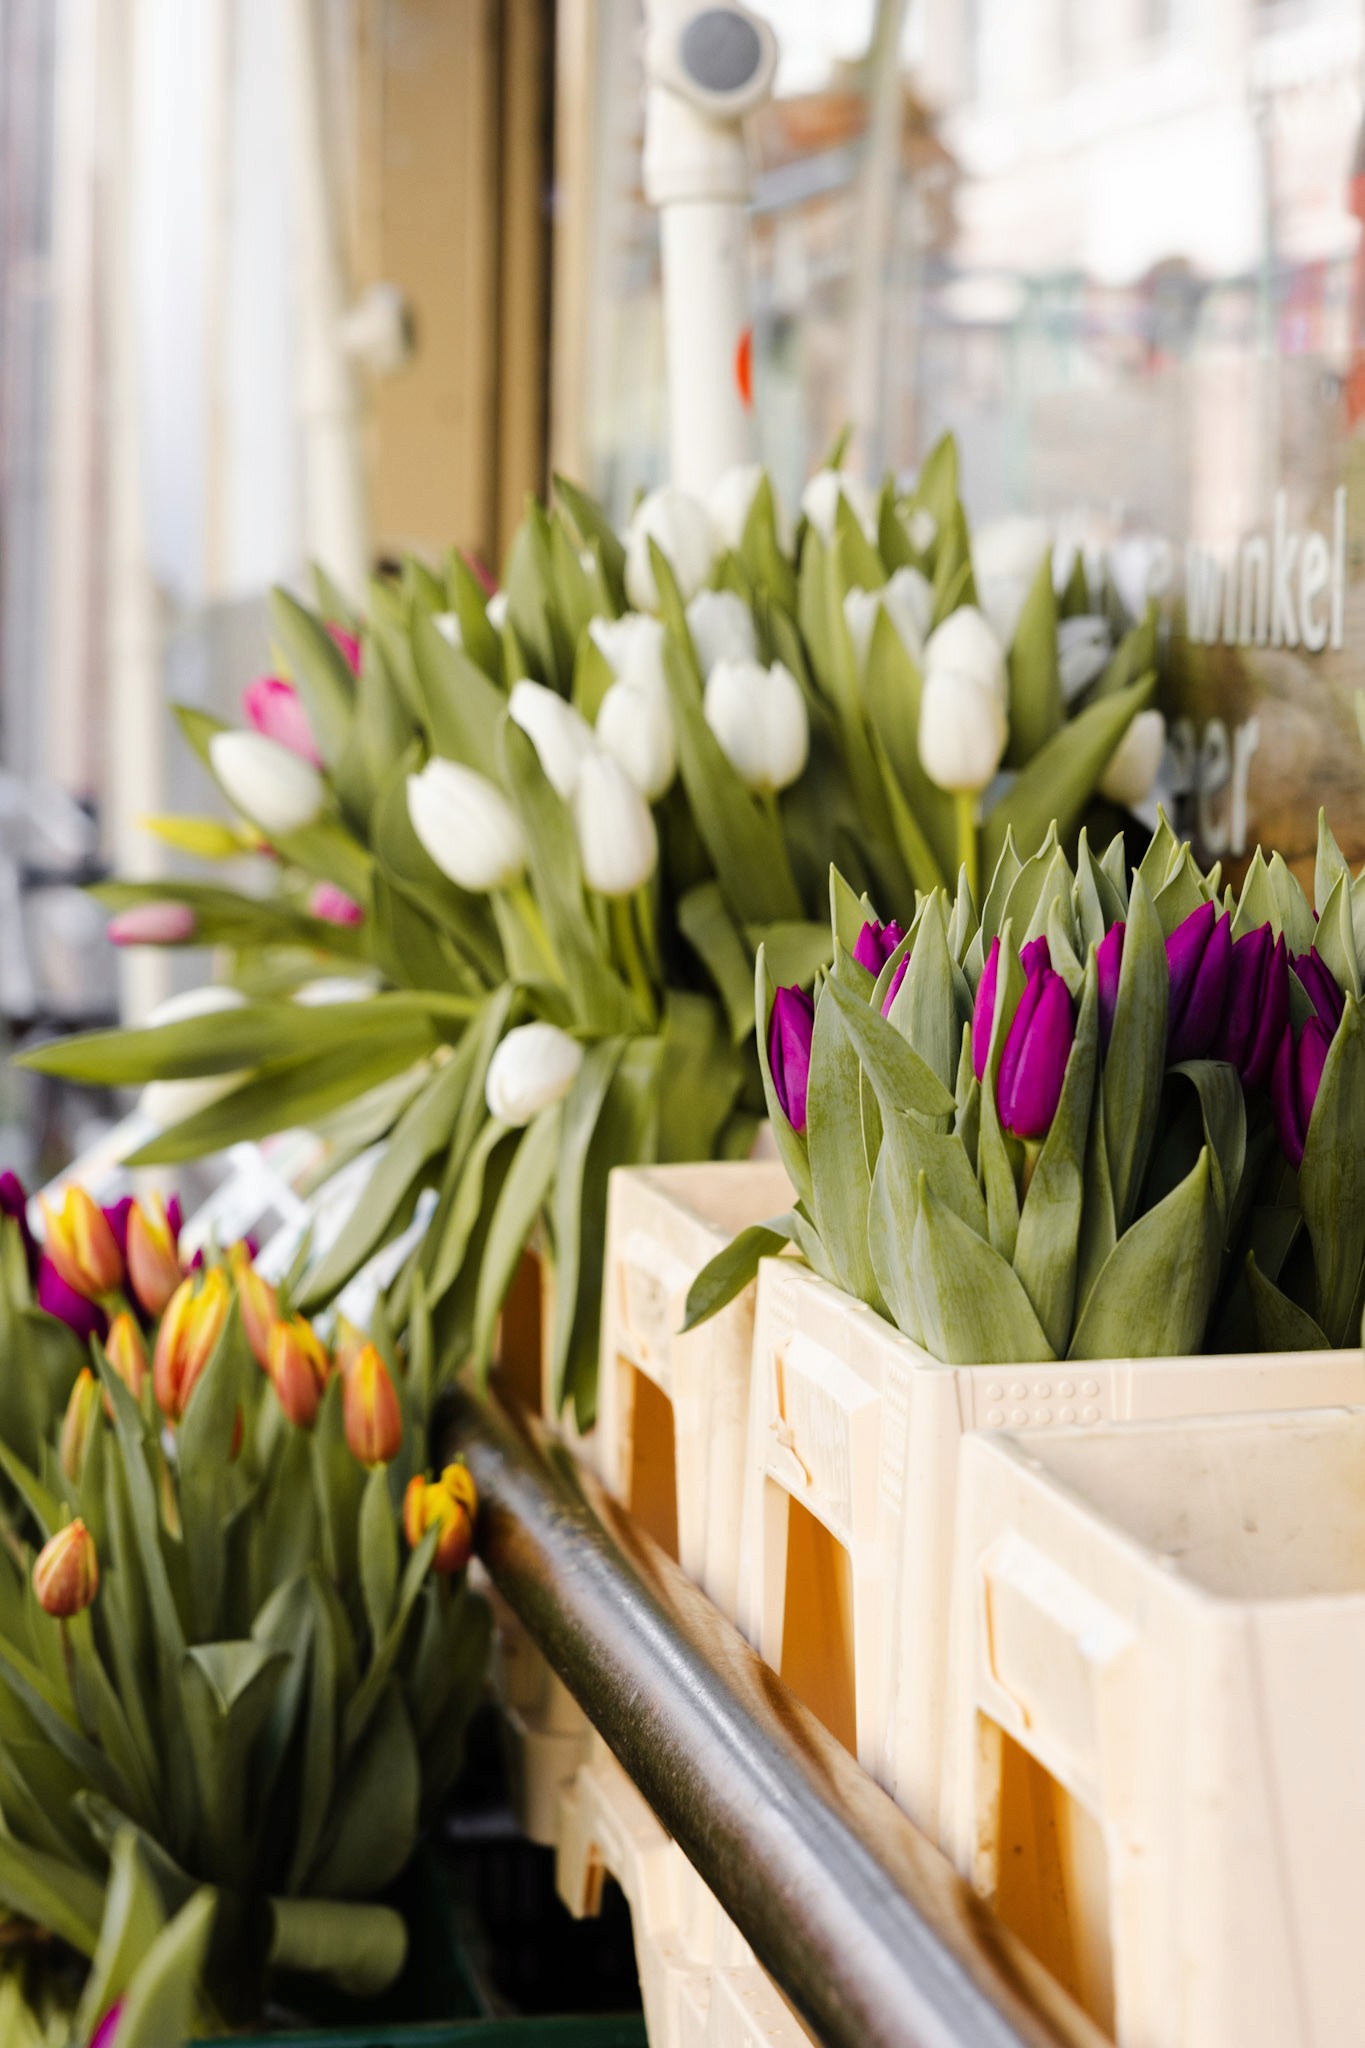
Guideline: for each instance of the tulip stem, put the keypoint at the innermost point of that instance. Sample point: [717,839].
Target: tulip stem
[72,1679]
[628,951]
[524,906]
[967,827]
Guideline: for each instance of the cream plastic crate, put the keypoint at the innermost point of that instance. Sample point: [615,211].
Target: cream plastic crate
[1159,1698]
[850,1493]
[699,1982]
[546,1733]
[673,1410]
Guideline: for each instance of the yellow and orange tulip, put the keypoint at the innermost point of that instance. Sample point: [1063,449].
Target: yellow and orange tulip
[153,1260]
[127,1353]
[449,1504]
[82,1246]
[370,1410]
[258,1302]
[299,1370]
[190,1329]
[66,1573]
[82,1415]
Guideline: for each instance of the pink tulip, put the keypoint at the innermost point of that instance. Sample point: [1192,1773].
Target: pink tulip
[152,924]
[334,906]
[349,646]
[275,708]
[106,2033]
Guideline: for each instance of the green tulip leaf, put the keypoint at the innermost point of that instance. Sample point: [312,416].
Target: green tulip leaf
[1037,709]
[1063,775]
[320,671]
[1332,1179]
[724,1278]
[974,1308]
[1281,1324]
[1126,1315]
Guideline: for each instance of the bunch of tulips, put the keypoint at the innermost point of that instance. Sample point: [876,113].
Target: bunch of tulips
[1106,1115]
[522,847]
[235,1686]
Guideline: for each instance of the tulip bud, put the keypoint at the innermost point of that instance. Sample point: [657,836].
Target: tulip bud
[257,1300]
[722,628]
[185,1343]
[680,527]
[349,646]
[560,735]
[448,626]
[81,1244]
[1006,554]
[1294,1082]
[875,945]
[275,709]
[907,598]
[82,1413]
[633,649]
[962,731]
[534,1065]
[298,1370]
[1108,965]
[790,1030]
[55,1298]
[983,1011]
[127,1354]
[1133,765]
[820,502]
[66,1574]
[276,790]
[467,826]
[636,729]
[617,841]
[1257,1008]
[731,501]
[1199,960]
[153,1260]
[497,609]
[152,924]
[1037,1048]
[333,906]
[1084,645]
[965,645]
[759,716]
[106,2033]
[347,1344]
[370,1410]
[449,1504]
[1318,984]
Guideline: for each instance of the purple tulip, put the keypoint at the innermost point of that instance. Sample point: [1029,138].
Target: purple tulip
[1257,1008]
[789,1037]
[1108,962]
[895,987]
[876,944]
[1319,985]
[983,1011]
[334,906]
[85,1317]
[1037,1047]
[106,2032]
[1294,1082]
[14,1204]
[175,1216]
[1199,959]
[116,1216]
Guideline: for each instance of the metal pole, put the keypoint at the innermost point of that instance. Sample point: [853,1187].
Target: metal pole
[861,1923]
[707,67]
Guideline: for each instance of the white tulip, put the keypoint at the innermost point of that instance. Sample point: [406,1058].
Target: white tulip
[922,527]
[276,789]
[1134,763]
[335,988]
[820,502]
[722,628]
[636,728]
[1083,650]
[633,648]
[908,601]
[680,527]
[496,610]
[617,842]
[466,825]
[560,735]
[170,1102]
[962,730]
[448,626]
[1142,566]
[534,1065]
[966,645]
[1005,558]
[759,716]
[732,500]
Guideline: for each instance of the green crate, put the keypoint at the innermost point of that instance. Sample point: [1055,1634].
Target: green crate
[627,2031]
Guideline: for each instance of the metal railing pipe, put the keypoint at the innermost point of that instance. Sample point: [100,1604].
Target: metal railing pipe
[861,1923]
